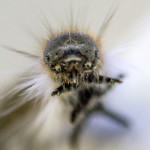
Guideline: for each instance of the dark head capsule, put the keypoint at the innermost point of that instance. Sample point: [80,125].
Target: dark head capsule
[71,53]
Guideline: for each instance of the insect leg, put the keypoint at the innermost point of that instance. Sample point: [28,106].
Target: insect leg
[84,97]
[91,78]
[74,138]
[66,87]
[99,107]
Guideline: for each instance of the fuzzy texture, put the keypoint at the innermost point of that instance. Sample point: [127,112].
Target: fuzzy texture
[28,111]
[30,118]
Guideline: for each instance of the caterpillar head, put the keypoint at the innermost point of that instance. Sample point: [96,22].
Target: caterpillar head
[71,54]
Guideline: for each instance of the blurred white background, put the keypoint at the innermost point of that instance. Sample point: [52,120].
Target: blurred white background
[20,24]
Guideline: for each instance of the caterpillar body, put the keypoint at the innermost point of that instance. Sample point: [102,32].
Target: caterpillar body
[65,79]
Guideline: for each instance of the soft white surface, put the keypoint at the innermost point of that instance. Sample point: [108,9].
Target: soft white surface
[131,27]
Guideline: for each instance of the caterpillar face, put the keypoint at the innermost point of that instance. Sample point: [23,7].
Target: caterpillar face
[71,54]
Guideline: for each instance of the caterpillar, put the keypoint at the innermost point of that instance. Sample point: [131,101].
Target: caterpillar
[61,89]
